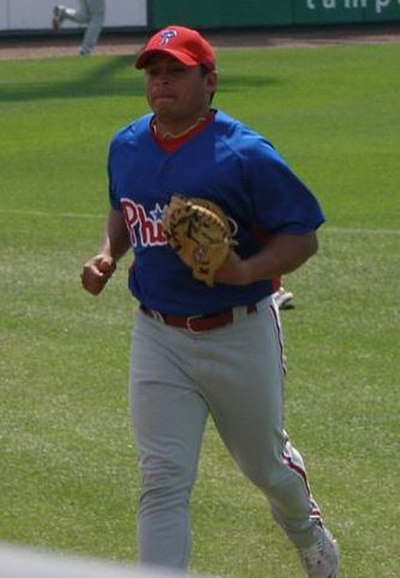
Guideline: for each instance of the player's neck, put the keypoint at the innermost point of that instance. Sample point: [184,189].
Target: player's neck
[177,130]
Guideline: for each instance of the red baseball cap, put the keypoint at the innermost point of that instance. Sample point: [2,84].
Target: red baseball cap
[184,44]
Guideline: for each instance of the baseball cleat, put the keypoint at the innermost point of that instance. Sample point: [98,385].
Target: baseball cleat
[58,16]
[283,298]
[322,559]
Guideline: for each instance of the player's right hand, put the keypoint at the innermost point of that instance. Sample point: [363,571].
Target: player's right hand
[96,272]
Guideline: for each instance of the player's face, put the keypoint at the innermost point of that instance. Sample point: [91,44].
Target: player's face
[177,94]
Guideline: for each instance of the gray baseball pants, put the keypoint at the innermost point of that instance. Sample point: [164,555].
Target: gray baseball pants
[92,13]
[234,373]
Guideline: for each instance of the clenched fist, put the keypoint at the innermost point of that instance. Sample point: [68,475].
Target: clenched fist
[96,272]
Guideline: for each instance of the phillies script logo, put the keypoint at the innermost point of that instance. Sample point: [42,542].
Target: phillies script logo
[144,230]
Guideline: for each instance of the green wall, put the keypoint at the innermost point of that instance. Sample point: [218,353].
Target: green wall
[253,13]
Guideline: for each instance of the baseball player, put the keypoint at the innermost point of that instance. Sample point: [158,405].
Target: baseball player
[204,350]
[91,13]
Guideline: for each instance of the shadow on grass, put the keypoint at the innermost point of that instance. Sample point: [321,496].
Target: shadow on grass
[114,76]
[104,79]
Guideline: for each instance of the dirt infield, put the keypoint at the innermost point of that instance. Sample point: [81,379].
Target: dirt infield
[65,44]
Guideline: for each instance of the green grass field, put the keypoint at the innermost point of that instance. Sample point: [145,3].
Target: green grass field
[68,474]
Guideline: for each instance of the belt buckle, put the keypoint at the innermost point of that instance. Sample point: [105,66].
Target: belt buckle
[189,321]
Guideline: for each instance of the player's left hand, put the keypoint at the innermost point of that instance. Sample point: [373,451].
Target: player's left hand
[200,233]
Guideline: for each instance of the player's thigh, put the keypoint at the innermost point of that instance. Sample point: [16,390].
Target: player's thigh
[168,413]
[168,425]
[83,12]
[96,6]
[246,396]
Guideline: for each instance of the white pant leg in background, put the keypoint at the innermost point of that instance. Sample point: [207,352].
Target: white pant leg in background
[97,10]
[92,13]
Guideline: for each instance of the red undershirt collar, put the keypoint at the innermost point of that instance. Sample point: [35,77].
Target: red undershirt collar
[170,144]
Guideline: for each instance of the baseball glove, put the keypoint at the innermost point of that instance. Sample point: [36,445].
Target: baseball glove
[200,233]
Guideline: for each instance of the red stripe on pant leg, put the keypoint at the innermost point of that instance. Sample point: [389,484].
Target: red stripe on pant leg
[315,513]
[279,334]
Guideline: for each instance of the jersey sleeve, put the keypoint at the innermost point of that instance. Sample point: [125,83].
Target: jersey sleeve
[281,201]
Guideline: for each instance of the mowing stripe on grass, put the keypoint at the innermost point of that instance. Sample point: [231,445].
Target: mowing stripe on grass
[45,214]
[52,215]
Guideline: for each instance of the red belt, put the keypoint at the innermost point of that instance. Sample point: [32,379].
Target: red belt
[197,323]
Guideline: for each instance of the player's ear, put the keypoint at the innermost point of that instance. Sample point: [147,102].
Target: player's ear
[211,80]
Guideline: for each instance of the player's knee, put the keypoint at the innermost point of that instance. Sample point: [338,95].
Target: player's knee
[268,476]
[166,481]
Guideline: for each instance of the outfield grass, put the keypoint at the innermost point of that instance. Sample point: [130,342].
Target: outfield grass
[68,474]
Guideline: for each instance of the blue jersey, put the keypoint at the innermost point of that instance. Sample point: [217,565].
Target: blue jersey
[227,163]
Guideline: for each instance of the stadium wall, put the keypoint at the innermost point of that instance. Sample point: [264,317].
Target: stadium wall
[255,13]
[35,15]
